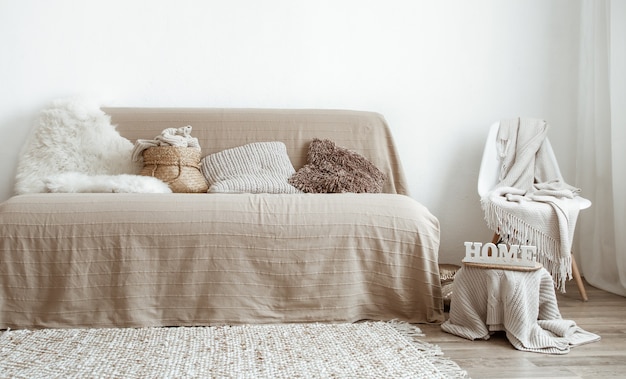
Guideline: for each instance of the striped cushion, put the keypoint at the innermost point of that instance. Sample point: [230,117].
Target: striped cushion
[260,167]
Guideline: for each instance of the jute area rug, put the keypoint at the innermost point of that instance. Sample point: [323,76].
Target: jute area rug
[360,350]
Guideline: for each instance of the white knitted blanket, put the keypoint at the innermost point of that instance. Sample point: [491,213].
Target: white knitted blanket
[532,204]
[523,304]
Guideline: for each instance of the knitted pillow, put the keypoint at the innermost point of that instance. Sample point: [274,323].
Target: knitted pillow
[259,167]
[334,169]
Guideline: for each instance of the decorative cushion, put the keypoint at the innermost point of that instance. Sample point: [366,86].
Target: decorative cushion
[259,167]
[334,169]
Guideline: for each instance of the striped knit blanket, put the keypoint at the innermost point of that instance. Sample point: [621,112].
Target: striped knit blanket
[532,204]
[523,304]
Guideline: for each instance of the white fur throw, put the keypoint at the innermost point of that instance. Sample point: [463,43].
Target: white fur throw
[78,182]
[259,167]
[76,137]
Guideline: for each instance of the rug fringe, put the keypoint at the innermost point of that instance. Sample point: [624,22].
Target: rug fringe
[446,366]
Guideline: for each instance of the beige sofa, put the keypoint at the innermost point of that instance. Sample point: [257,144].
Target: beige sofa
[131,260]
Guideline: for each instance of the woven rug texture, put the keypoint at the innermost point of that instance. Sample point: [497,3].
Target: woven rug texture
[360,350]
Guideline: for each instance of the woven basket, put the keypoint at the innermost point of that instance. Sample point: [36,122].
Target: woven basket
[179,167]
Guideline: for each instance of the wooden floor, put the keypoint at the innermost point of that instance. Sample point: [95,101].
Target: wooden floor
[604,314]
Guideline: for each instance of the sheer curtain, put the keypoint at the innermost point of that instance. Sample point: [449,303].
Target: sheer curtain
[601,162]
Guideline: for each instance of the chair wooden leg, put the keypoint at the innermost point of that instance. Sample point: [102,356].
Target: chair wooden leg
[579,280]
[496,238]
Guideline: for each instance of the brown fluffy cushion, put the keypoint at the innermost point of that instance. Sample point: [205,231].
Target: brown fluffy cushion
[334,169]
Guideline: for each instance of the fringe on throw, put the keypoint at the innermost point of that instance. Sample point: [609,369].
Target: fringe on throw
[446,366]
[515,231]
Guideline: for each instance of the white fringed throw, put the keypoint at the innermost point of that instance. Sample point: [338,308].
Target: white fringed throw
[532,205]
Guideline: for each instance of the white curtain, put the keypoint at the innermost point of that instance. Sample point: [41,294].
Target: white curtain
[601,159]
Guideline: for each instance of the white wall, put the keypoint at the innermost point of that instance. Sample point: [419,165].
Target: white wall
[440,72]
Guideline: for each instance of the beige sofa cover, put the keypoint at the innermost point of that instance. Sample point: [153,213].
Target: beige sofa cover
[130,260]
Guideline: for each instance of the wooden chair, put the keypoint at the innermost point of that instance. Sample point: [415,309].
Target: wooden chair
[488,178]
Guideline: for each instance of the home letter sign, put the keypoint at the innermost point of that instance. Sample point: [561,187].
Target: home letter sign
[515,255]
